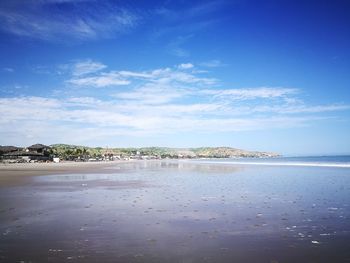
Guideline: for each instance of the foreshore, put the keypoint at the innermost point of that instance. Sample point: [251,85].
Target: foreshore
[167,210]
[12,173]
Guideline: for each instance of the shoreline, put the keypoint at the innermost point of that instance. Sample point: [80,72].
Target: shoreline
[21,172]
[15,173]
[215,211]
[301,164]
[32,169]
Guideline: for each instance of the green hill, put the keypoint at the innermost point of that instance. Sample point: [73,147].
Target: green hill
[65,150]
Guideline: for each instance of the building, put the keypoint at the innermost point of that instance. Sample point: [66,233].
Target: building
[25,156]
[9,149]
[40,148]
[37,152]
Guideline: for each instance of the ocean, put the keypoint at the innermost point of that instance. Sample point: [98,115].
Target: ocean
[182,211]
[311,161]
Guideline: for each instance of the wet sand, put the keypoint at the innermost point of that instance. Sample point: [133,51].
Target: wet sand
[173,211]
[16,173]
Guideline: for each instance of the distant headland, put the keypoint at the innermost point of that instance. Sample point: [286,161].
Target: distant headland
[66,152]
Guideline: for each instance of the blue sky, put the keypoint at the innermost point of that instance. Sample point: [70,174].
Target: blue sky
[258,75]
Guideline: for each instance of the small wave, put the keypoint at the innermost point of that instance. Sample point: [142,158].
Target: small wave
[307,164]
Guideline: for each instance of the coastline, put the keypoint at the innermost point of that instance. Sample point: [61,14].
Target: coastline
[36,169]
[300,164]
[143,202]
[13,173]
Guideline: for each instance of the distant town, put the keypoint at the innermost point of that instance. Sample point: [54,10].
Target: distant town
[65,152]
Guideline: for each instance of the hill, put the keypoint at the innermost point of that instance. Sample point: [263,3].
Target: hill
[65,150]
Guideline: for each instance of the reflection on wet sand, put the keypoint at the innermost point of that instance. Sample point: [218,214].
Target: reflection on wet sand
[168,211]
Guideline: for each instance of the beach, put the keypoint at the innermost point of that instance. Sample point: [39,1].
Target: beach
[17,172]
[173,211]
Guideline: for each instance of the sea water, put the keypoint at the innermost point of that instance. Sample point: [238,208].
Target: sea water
[312,161]
[180,211]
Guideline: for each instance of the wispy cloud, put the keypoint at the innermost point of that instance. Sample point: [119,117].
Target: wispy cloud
[49,20]
[181,23]
[163,76]
[188,12]
[212,63]
[153,94]
[157,101]
[82,117]
[251,93]
[176,46]
[185,66]
[103,80]
[300,108]
[86,67]
[188,16]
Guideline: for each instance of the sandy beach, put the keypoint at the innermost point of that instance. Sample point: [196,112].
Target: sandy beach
[172,211]
[17,172]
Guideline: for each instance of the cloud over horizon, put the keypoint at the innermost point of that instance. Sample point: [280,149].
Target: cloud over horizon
[161,101]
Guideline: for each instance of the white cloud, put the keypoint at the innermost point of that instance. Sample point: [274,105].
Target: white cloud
[185,66]
[300,108]
[155,93]
[159,101]
[212,63]
[79,101]
[162,76]
[44,20]
[251,93]
[103,80]
[62,118]
[132,74]
[86,67]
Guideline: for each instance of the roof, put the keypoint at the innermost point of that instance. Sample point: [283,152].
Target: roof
[23,153]
[38,146]
[7,149]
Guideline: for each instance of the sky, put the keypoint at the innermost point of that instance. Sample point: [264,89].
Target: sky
[256,75]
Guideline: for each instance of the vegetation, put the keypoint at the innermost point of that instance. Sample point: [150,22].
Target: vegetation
[73,152]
